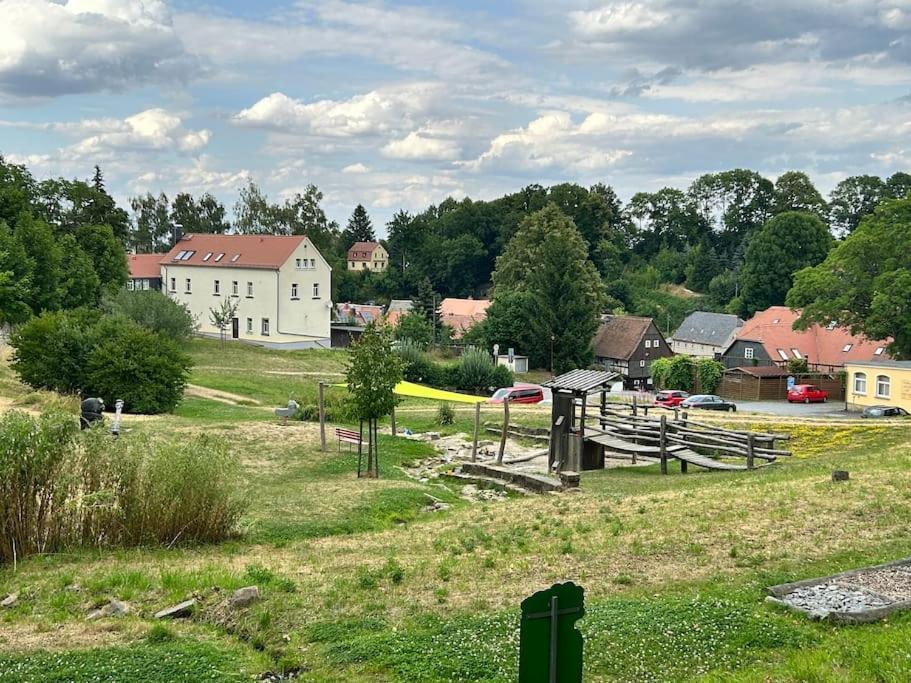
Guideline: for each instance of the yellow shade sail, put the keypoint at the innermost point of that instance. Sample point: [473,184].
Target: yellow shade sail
[420,391]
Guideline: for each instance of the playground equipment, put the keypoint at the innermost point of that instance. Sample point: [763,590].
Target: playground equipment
[581,440]
[288,411]
[91,411]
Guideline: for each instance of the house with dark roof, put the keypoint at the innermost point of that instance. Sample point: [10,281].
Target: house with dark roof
[280,284]
[705,334]
[396,309]
[145,272]
[628,345]
[368,256]
[769,338]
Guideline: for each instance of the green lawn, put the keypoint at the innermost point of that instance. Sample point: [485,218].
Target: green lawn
[359,583]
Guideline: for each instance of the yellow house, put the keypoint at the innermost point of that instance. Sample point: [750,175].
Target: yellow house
[878,383]
[368,256]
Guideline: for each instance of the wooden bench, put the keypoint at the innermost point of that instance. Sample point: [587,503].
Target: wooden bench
[348,436]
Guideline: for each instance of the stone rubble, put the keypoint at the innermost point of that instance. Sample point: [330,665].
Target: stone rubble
[823,598]
[113,608]
[244,597]
[178,611]
[10,600]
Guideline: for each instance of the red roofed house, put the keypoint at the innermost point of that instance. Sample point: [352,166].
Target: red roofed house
[768,339]
[368,256]
[145,271]
[282,286]
[462,314]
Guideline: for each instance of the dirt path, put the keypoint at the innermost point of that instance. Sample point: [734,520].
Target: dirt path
[220,396]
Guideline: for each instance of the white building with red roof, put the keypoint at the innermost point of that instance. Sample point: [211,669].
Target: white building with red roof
[368,256]
[145,271]
[281,284]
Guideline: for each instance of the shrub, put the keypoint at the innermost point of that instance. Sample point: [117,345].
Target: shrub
[710,373]
[109,356]
[414,328]
[445,414]
[475,370]
[798,366]
[677,372]
[146,370]
[154,311]
[336,403]
[502,377]
[60,489]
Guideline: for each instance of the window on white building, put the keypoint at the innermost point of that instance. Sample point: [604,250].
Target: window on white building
[883,387]
[189,287]
[130,285]
[234,288]
[316,290]
[294,294]
[748,352]
[860,383]
[249,290]
[173,284]
[216,289]
[249,325]
[265,327]
[298,263]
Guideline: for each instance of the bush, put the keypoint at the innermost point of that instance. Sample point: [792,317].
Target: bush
[710,373]
[154,311]
[445,414]
[149,372]
[108,356]
[415,328]
[476,369]
[337,406]
[61,489]
[798,366]
[676,372]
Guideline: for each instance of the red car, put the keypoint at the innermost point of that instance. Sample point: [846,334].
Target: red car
[520,393]
[670,399]
[807,393]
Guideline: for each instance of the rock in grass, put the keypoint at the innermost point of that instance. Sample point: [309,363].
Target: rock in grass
[178,611]
[113,608]
[10,600]
[244,597]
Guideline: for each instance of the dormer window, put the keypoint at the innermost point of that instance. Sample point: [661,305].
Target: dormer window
[796,354]
[847,348]
[776,321]
[180,255]
[219,258]
[234,258]
[879,351]
[207,256]
[185,255]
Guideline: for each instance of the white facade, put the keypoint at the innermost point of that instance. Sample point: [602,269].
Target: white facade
[286,307]
[696,349]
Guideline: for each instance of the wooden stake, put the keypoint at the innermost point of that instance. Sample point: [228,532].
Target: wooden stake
[750,446]
[505,427]
[360,450]
[662,444]
[477,427]
[322,420]
[393,421]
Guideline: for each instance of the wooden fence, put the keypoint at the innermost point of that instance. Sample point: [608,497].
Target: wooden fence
[742,386]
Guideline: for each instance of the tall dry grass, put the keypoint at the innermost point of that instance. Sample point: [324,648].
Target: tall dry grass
[61,489]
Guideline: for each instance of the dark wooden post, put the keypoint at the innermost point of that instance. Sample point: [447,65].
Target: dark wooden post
[750,446]
[635,410]
[360,449]
[322,419]
[392,417]
[582,416]
[662,444]
[505,428]
[477,426]
[676,414]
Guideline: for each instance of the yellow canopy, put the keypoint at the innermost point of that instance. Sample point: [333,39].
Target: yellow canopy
[420,391]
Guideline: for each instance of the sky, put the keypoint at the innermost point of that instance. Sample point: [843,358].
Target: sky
[400,105]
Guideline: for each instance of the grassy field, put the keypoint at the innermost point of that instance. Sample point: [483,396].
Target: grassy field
[359,584]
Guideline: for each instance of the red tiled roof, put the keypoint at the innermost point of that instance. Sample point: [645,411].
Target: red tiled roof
[821,345]
[145,265]
[462,314]
[237,251]
[362,251]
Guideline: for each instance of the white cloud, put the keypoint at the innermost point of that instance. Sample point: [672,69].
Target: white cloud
[56,48]
[357,168]
[550,141]
[416,146]
[378,111]
[618,17]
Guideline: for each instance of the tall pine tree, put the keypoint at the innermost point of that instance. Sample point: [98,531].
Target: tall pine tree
[359,229]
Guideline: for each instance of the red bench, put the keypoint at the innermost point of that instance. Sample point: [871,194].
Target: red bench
[348,436]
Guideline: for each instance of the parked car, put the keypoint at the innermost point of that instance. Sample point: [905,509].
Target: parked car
[670,399]
[884,411]
[807,393]
[520,393]
[708,402]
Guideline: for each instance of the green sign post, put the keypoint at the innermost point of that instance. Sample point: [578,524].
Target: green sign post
[550,646]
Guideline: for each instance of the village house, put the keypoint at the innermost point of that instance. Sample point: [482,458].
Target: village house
[879,383]
[281,285]
[768,339]
[628,345]
[704,334]
[396,309]
[462,314]
[368,256]
[145,272]
[358,314]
